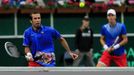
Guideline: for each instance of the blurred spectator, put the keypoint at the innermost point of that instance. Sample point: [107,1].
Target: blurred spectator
[40,3]
[100,1]
[130,2]
[22,2]
[88,2]
[29,2]
[51,3]
[5,3]
[61,2]
[0,2]
[99,5]
[115,2]
[111,2]
[12,3]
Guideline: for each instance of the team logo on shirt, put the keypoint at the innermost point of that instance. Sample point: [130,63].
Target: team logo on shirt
[86,34]
[42,32]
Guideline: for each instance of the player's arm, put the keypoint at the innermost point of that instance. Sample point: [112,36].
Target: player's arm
[124,36]
[124,41]
[64,43]
[27,51]
[102,41]
[66,46]
[28,56]
[102,38]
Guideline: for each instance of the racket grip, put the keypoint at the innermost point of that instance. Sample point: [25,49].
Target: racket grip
[37,57]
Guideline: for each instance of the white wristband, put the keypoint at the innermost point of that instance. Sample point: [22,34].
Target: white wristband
[28,56]
[105,47]
[116,46]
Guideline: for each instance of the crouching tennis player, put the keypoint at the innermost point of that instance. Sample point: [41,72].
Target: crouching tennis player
[39,45]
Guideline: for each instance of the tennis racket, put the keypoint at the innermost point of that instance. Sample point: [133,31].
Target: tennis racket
[115,42]
[12,51]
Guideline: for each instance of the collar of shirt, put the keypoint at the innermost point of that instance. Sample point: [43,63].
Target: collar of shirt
[39,30]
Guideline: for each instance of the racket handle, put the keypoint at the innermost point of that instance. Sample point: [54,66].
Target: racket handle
[37,57]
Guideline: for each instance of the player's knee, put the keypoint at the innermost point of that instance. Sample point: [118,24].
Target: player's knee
[100,64]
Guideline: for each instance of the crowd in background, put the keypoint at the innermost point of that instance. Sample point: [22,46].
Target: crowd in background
[55,3]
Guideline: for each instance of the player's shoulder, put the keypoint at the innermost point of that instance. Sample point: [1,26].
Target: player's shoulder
[28,29]
[48,27]
[120,24]
[105,25]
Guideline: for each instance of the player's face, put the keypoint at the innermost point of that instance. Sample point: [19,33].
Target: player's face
[85,23]
[111,18]
[36,20]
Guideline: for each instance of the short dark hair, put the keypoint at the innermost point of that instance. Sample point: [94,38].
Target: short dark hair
[34,12]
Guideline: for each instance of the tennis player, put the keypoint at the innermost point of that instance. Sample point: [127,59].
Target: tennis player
[38,41]
[109,32]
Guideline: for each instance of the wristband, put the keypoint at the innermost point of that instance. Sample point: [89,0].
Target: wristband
[28,56]
[116,46]
[105,47]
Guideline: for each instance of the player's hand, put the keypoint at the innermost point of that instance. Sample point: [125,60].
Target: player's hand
[110,49]
[73,55]
[29,57]
[48,57]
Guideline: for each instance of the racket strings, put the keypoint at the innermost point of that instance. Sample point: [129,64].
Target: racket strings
[12,49]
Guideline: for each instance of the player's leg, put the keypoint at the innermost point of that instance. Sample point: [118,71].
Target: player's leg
[104,60]
[120,61]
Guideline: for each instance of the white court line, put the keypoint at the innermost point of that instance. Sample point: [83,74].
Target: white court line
[50,69]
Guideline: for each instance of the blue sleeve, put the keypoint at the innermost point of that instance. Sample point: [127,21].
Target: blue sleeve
[26,39]
[102,31]
[123,30]
[56,34]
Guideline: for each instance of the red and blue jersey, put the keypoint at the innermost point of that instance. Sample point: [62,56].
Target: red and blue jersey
[111,32]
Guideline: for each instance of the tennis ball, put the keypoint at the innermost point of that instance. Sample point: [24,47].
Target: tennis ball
[81,4]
